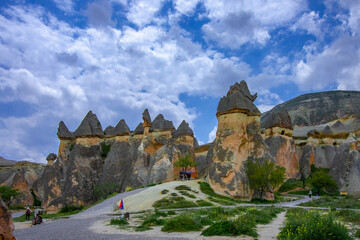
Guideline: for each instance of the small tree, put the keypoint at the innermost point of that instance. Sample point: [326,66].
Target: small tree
[7,192]
[185,162]
[263,175]
[321,180]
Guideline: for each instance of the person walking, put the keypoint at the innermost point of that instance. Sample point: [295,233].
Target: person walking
[27,213]
[310,193]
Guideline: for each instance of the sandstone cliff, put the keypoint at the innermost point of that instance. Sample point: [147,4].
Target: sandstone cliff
[319,108]
[6,223]
[90,157]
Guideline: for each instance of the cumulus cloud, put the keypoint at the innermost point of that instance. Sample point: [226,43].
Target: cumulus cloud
[99,13]
[337,64]
[142,12]
[311,23]
[65,5]
[212,135]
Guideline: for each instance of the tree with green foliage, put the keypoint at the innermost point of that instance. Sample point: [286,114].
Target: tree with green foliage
[321,180]
[7,192]
[263,175]
[185,162]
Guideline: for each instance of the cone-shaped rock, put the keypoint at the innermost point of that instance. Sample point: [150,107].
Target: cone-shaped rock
[327,130]
[109,131]
[278,119]
[139,129]
[63,132]
[146,116]
[90,126]
[182,130]
[122,128]
[238,99]
[160,123]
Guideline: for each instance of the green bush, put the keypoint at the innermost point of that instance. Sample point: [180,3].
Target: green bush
[105,149]
[71,208]
[349,216]
[182,223]
[183,187]
[165,191]
[118,221]
[357,233]
[173,202]
[7,192]
[290,184]
[220,201]
[185,193]
[242,225]
[37,202]
[173,194]
[171,213]
[203,203]
[312,225]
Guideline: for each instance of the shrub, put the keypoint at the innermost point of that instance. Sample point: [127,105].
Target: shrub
[129,188]
[105,149]
[37,202]
[185,193]
[104,190]
[118,221]
[71,208]
[183,187]
[182,223]
[290,184]
[171,213]
[357,233]
[7,192]
[220,201]
[312,225]
[173,202]
[165,191]
[173,194]
[203,203]
[264,215]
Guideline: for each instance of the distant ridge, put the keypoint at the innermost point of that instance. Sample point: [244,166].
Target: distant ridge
[319,108]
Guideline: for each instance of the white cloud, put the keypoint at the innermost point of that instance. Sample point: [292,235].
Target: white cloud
[185,6]
[212,134]
[65,5]
[142,12]
[310,22]
[99,13]
[337,64]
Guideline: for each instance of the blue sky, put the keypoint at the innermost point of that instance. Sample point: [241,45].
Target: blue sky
[61,58]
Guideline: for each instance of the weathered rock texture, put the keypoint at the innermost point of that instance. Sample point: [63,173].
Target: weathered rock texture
[278,137]
[21,176]
[6,223]
[318,108]
[128,159]
[237,139]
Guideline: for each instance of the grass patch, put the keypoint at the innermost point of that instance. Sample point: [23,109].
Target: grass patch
[357,233]
[71,208]
[174,194]
[16,207]
[173,202]
[165,191]
[185,193]
[348,216]
[23,218]
[264,215]
[334,202]
[118,222]
[220,201]
[203,203]
[182,223]
[314,225]
[290,184]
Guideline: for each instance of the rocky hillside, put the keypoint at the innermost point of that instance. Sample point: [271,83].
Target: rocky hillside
[318,108]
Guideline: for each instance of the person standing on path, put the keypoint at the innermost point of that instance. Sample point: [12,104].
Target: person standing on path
[27,213]
[310,193]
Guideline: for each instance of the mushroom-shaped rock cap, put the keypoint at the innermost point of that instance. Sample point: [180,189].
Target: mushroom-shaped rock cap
[51,157]
[327,130]
[146,116]
[90,126]
[182,130]
[278,119]
[239,99]
[63,132]
[160,123]
[139,129]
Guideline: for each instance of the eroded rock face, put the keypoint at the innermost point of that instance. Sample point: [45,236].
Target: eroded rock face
[90,126]
[6,223]
[160,123]
[182,130]
[278,119]
[120,129]
[238,139]
[63,131]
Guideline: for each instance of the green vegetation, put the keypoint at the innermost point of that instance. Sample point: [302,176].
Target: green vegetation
[335,202]
[37,202]
[185,162]
[23,217]
[173,202]
[118,221]
[183,187]
[357,233]
[220,201]
[206,189]
[105,149]
[348,216]
[7,192]
[203,203]
[173,194]
[104,190]
[16,207]
[302,224]
[182,223]
[165,191]
[264,175]
[71,209]
[290,184]
[321,180]
[185,193]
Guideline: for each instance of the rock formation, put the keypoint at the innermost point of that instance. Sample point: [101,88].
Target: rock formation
[88,158]
[278,137]
[6,223]
[238,139]
[318,108]
[21,176]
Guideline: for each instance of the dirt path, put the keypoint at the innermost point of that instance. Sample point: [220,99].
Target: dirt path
[271,230]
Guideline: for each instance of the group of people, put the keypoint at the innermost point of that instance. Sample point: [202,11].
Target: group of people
[37,219]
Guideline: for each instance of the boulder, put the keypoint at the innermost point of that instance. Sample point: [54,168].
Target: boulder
[182,130]
[238,99]
[6,224]
[63,132]
[278,119]
[90,126]
[160,123]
